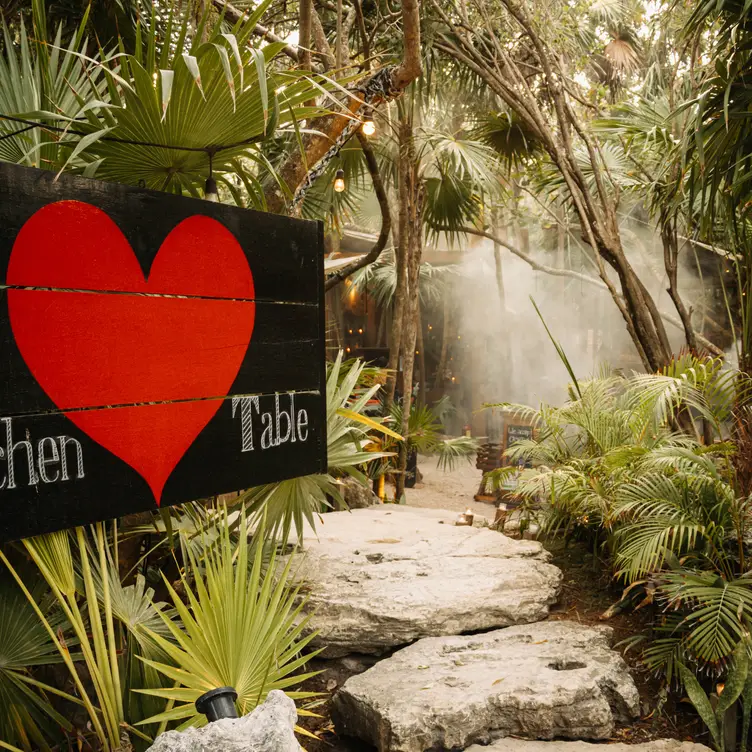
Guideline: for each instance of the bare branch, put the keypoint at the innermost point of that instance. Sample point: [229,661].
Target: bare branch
[234,15]
[701,340]
[526,257]
[386,219]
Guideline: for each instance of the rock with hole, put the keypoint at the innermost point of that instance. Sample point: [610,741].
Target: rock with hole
[540,681]
[383,577]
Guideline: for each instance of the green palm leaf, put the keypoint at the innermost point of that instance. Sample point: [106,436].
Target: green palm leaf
[241,627]
[25,644]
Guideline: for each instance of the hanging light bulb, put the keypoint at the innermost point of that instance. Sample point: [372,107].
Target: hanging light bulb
[339,181]
[368,127]
[211,193]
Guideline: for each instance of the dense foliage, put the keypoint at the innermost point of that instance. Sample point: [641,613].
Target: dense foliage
[641,467]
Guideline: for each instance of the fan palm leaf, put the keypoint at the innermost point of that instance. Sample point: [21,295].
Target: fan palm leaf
[28,717]
[241,627]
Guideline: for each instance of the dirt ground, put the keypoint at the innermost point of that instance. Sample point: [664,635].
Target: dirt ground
[453,491]
[586,594]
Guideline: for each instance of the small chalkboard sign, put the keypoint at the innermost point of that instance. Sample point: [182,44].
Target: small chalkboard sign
[156,349]
[514,432]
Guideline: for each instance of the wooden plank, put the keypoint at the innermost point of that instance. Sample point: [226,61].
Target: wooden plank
[104,350]
[146,455]
[281,252]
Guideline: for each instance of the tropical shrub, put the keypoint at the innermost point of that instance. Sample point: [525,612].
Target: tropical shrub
[641,466]
[425,435]
[28,716]
[350,447]
[240,626]
[103,619]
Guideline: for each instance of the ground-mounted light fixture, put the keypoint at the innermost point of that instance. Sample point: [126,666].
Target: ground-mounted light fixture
[466,518]
[218,703]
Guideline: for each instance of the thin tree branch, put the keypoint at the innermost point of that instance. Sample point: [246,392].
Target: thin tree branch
[338,41]
[386,219]
[234,15]
[701,340]
[525,257]
[363,33]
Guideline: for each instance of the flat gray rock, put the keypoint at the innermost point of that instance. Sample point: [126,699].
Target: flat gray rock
[659,745]
[383,577]
[269,728]
[540,681]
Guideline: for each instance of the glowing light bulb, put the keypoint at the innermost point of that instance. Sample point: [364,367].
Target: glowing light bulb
[360,331]
[368,127]
[339,181]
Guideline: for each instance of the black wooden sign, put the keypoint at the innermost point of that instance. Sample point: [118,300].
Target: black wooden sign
[155,349]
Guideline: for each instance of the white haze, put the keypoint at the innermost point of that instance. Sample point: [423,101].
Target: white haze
[507,355]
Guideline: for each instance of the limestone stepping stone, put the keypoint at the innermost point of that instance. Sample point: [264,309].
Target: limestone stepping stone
[540,681]
[383,577]
[659,745]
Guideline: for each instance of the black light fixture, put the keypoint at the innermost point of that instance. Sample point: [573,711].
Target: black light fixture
[211,192]
[218,703]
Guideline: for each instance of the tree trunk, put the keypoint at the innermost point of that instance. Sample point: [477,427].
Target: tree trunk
[200,10]
[305,21]
[421,361]
[506,329]
[439,380]
[414,242]
[497,261]
[400,293]
[641,315]
[670,238]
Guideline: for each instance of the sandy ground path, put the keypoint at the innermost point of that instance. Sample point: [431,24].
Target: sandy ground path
[453,491]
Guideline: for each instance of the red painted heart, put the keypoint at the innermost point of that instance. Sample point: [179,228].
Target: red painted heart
[128,345]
